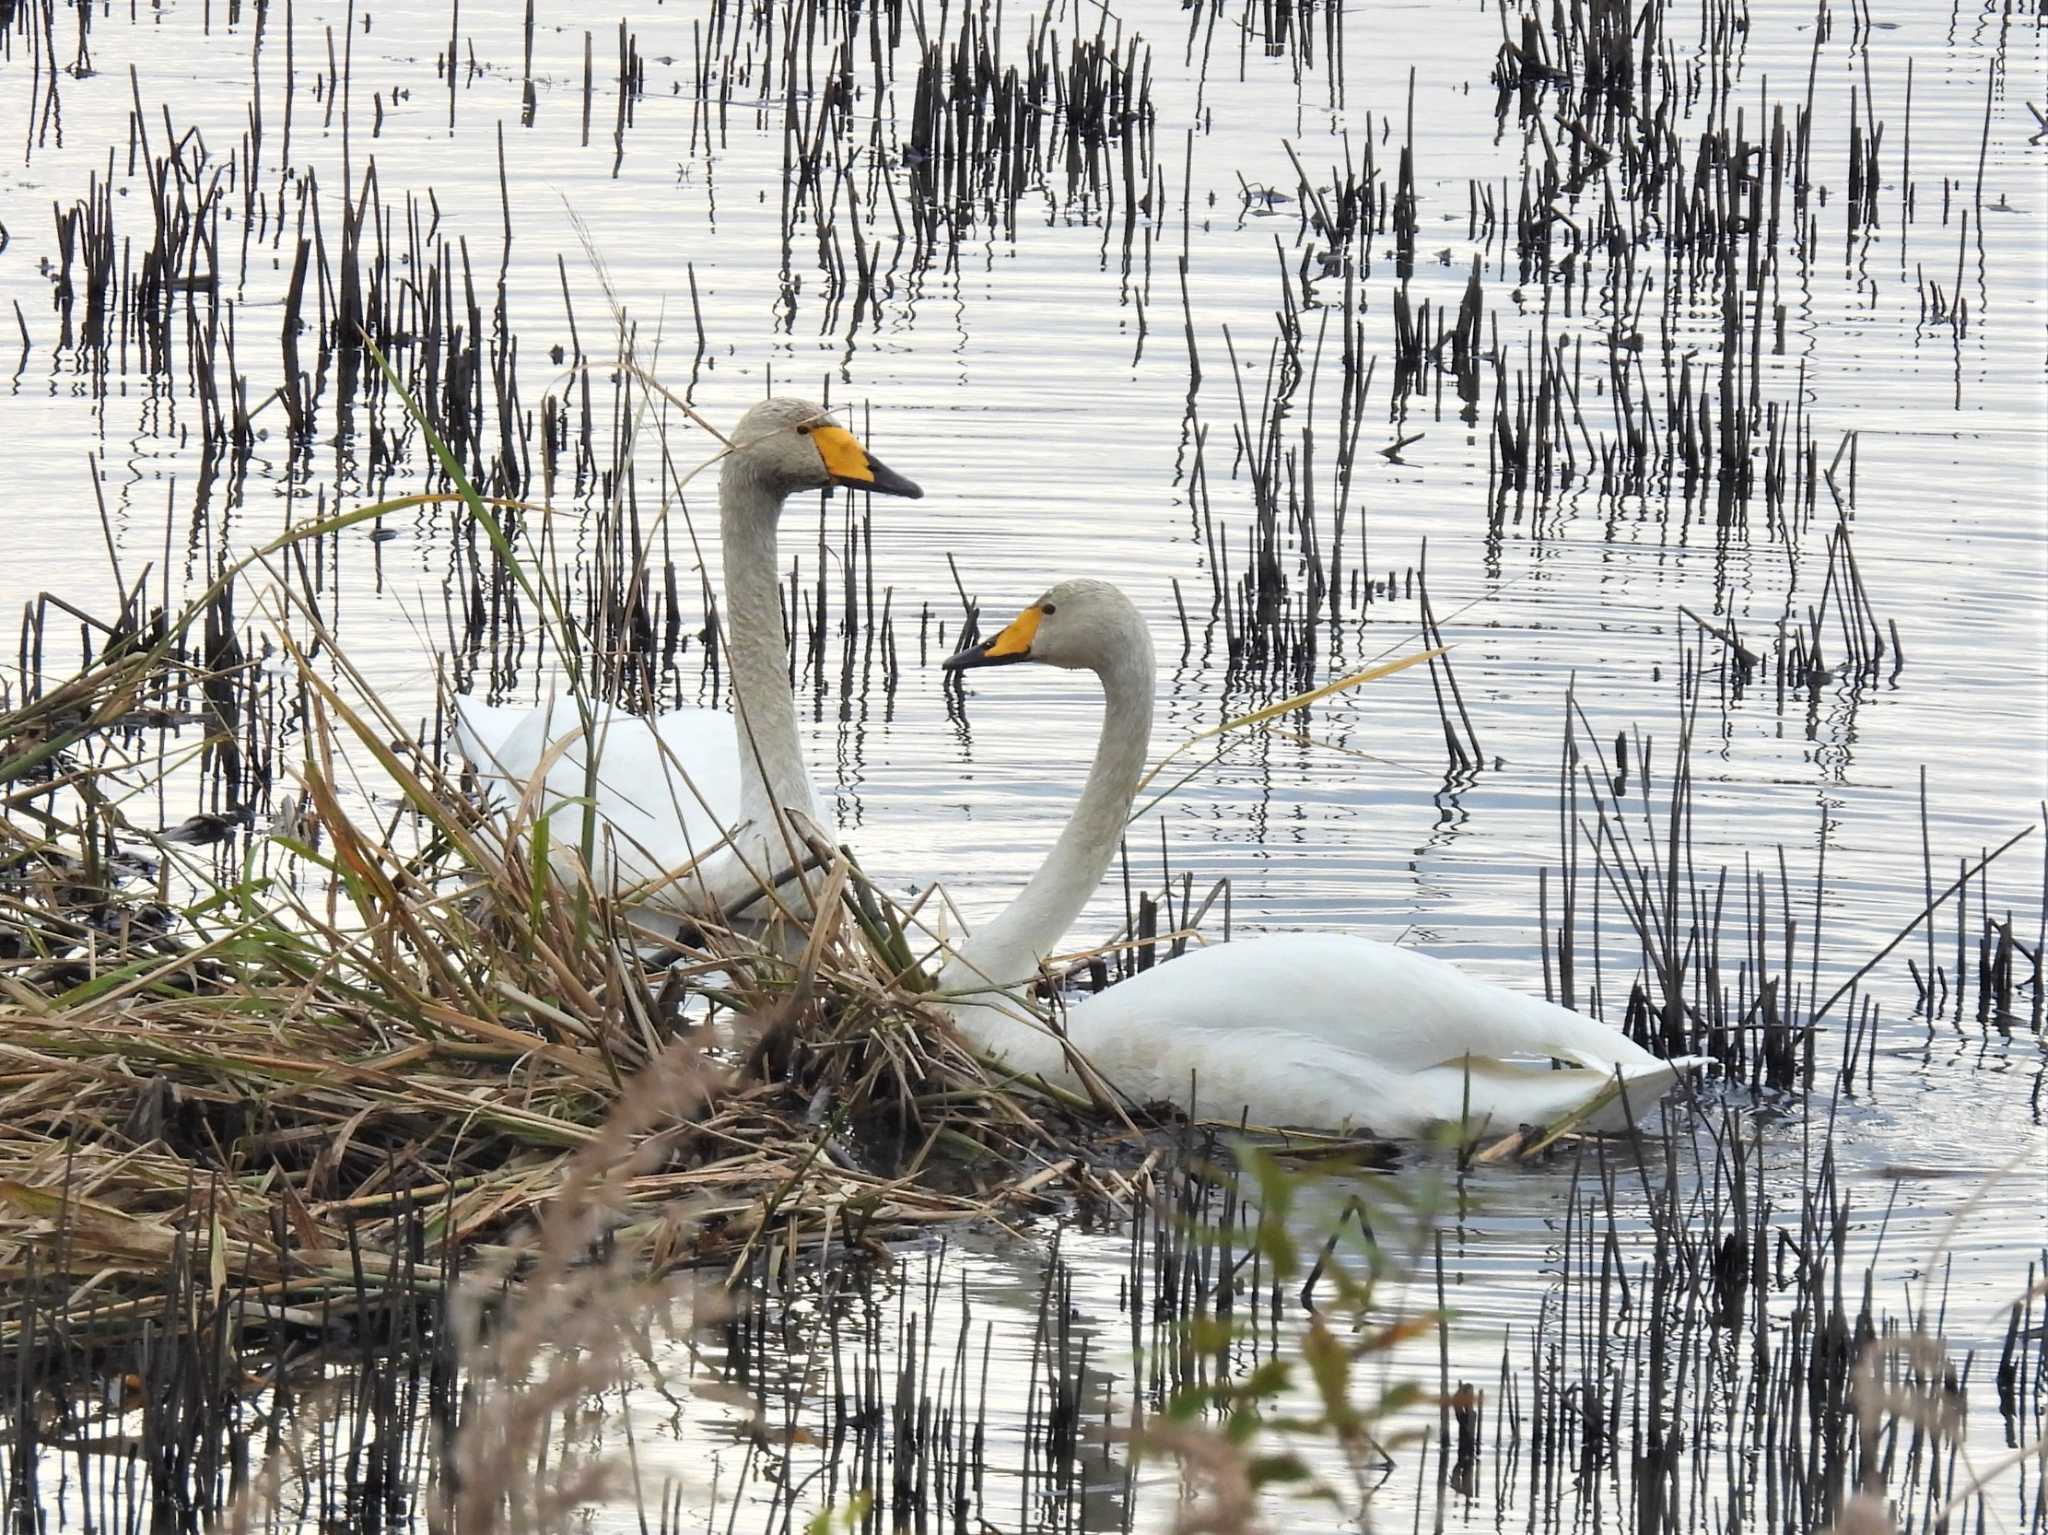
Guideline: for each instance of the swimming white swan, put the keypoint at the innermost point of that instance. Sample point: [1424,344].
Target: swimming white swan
[1323,1030]
[669,789]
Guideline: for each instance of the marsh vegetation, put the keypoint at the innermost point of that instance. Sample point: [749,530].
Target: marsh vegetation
[1668,373]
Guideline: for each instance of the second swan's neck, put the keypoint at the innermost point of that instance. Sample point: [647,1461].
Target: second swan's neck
[1007,952]
[772,772]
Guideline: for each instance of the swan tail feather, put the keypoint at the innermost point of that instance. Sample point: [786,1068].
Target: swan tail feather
[1641,1091]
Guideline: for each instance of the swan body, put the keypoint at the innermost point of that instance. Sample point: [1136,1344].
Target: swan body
[1324,1030]
[1341,1033]
[667,792]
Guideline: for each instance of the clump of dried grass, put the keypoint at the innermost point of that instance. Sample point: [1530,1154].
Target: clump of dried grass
[277,1074]
[363,1059]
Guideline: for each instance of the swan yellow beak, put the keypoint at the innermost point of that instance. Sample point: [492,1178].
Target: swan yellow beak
[1006,649]
[847,463]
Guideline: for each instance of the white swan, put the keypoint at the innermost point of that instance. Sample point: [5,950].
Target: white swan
[1323,1030]
[668,790]
[666,787]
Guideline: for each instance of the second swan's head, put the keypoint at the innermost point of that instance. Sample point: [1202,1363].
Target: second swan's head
[791,445]
[1080,625]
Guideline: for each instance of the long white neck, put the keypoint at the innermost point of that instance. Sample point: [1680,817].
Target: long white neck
[772,772]
[1007,952]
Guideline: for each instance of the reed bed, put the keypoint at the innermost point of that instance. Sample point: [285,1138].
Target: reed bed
[294,1082]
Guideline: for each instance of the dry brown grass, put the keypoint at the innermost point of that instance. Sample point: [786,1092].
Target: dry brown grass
[273,1076]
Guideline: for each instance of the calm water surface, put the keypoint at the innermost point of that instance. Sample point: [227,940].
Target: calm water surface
[1039,387]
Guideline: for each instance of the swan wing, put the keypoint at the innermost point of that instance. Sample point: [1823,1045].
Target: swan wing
[1404,1010]
[665,791]
[1337,1031]
[483,731]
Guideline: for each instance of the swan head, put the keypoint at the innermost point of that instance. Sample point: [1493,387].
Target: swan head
[790,445]
[1080,625]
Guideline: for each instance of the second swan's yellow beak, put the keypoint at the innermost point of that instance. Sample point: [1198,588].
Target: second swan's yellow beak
[1006,649]
[847,463]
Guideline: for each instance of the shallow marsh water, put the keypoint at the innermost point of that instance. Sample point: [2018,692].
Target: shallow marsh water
[1038,385]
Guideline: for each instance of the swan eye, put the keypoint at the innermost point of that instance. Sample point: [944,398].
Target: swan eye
[1048,610]
[803,429]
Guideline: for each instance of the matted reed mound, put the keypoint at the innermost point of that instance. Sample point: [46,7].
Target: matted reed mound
[385,1051]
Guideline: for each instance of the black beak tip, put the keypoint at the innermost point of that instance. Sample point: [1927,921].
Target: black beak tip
[887,482]
[978,656]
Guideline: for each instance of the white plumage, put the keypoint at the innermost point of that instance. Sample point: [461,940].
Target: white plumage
[1323,1030]
[666,790]
[1340,1032]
